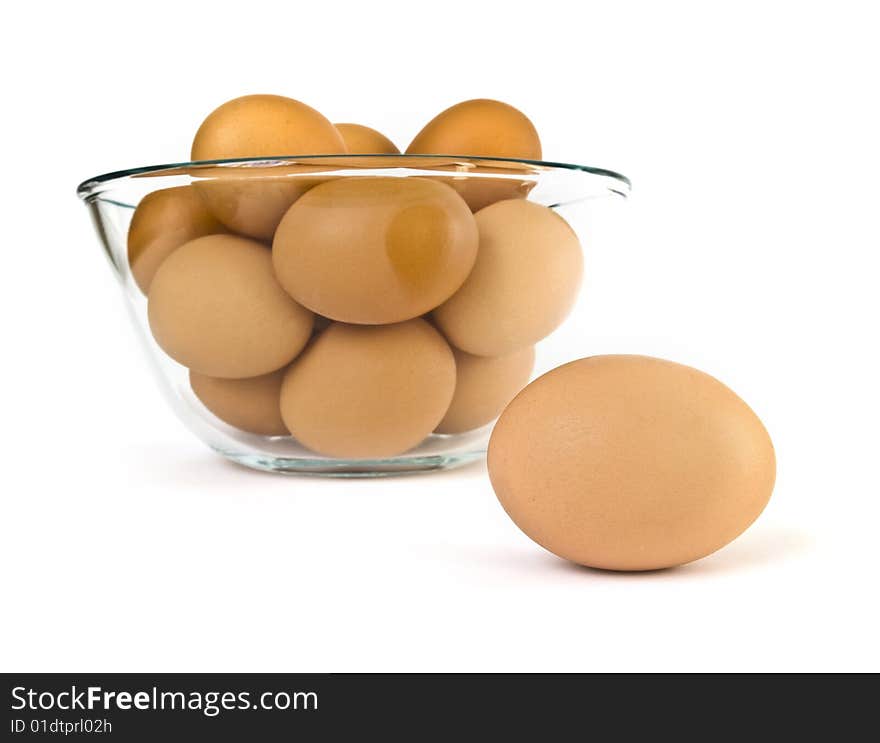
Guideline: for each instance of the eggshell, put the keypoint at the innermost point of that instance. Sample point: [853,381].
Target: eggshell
[215,306]
[361,139]
[630,463]
[481,128]
[369,391]
[481,182]
[265,126]
[163,221]
[259,126]
[483,387]
[375,250]
[252,404]
[252,200]
[523,284]
[481,189]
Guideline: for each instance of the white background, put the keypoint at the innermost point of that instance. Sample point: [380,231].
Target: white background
[749,249]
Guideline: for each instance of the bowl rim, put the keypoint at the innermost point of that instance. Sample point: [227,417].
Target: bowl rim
[88,187]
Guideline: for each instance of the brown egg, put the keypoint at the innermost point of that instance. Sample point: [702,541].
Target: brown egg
[482,190]
[251,404]
[215,306]
[481,182]
[265,126]
[372,250]
[630,463]
[483,387]
[523,284]
[369,392]
[363,140]
[251,201]
[481,128]
[163,221]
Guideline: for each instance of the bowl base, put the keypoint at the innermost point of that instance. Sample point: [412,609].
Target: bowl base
[402,465]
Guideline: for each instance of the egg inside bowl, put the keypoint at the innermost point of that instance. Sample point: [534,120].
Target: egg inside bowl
[394,303]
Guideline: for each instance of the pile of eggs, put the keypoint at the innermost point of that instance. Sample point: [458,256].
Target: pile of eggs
[362,313]
[358,314]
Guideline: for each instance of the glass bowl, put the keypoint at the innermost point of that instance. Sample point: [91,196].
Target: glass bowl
[252,195]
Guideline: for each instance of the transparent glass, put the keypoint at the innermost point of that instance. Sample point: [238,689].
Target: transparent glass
[583,196]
